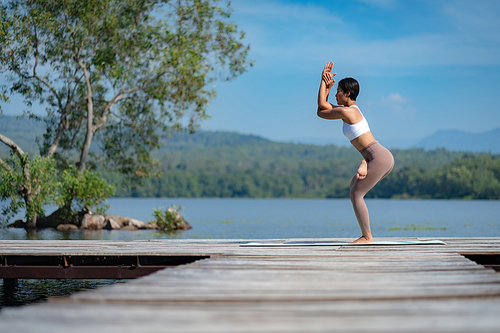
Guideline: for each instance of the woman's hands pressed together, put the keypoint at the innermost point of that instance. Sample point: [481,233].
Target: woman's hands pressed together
[327,82]
[327,75]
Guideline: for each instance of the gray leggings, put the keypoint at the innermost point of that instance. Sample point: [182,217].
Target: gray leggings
[380,163]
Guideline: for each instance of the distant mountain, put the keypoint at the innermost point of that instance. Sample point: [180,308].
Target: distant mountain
[24,131]
[205,139]
[463,141]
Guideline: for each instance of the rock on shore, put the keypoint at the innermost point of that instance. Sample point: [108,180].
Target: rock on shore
[98,222]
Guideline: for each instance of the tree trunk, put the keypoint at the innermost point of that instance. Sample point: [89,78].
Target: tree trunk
[28,200]
[90,115]
[86,145]
[31,224]
[63,126]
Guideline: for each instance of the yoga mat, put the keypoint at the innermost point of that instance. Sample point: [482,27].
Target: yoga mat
[326,243]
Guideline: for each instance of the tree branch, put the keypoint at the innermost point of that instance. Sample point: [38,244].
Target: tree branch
[64,122]
[35,76]
[36,51]
[119,95]
[63,126]
[12,145]
[22,157]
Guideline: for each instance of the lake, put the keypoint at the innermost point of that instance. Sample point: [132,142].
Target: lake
[298,218]
[268,218]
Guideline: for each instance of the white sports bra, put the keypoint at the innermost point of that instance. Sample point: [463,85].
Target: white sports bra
[355,130]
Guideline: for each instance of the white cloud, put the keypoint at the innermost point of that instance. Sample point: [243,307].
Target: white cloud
[396,105]
[425,50]
[476,21]
[394,98]
[393,105]
[304,34]
[284,12]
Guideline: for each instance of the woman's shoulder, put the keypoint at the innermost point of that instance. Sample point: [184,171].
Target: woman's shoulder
[347,109]
[354,114]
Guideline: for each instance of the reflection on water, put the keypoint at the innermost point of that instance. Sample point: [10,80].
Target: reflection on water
[51,234]
[24,291]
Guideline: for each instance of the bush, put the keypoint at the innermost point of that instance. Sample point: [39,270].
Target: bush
[170,219]
[86,192]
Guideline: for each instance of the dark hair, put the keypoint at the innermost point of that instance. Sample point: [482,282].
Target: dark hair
[350,85]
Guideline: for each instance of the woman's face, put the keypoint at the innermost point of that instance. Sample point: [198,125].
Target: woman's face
[341,96]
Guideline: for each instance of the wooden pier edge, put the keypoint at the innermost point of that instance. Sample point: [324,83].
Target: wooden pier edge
[412,288]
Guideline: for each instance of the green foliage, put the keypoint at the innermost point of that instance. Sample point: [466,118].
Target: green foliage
[475,177]
[125,71]
[231,165]
[86,192]
[33,184]
[471,176]
[30,184]
[224,164]
[169,219]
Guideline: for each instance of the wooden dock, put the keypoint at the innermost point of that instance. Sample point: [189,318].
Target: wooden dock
[416,288]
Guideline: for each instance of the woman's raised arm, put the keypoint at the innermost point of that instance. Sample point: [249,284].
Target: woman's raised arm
[327,82]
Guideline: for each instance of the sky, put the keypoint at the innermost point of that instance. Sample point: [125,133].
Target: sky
[422,65]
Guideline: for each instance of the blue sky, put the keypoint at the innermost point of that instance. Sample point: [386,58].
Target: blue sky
[422,65]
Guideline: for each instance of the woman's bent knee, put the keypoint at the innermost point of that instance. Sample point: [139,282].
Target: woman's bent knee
[355,195]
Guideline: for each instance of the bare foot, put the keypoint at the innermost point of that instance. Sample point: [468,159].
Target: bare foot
[365,239]
[362,170]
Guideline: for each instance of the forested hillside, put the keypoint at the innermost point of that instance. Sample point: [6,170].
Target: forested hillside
[224,164]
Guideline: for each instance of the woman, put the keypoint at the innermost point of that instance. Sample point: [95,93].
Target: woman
[378,161]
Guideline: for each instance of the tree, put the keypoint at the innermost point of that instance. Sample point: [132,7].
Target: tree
[126,72]
[33,183]
[28,183]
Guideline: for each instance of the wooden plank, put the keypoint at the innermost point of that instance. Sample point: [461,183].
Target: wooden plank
[349,316]
[217,247]
[361,289]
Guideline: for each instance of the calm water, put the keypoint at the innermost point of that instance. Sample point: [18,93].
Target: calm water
[269,218]
[297,218]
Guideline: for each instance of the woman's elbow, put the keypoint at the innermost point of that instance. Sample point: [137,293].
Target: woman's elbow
[324,106]
[320,112]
